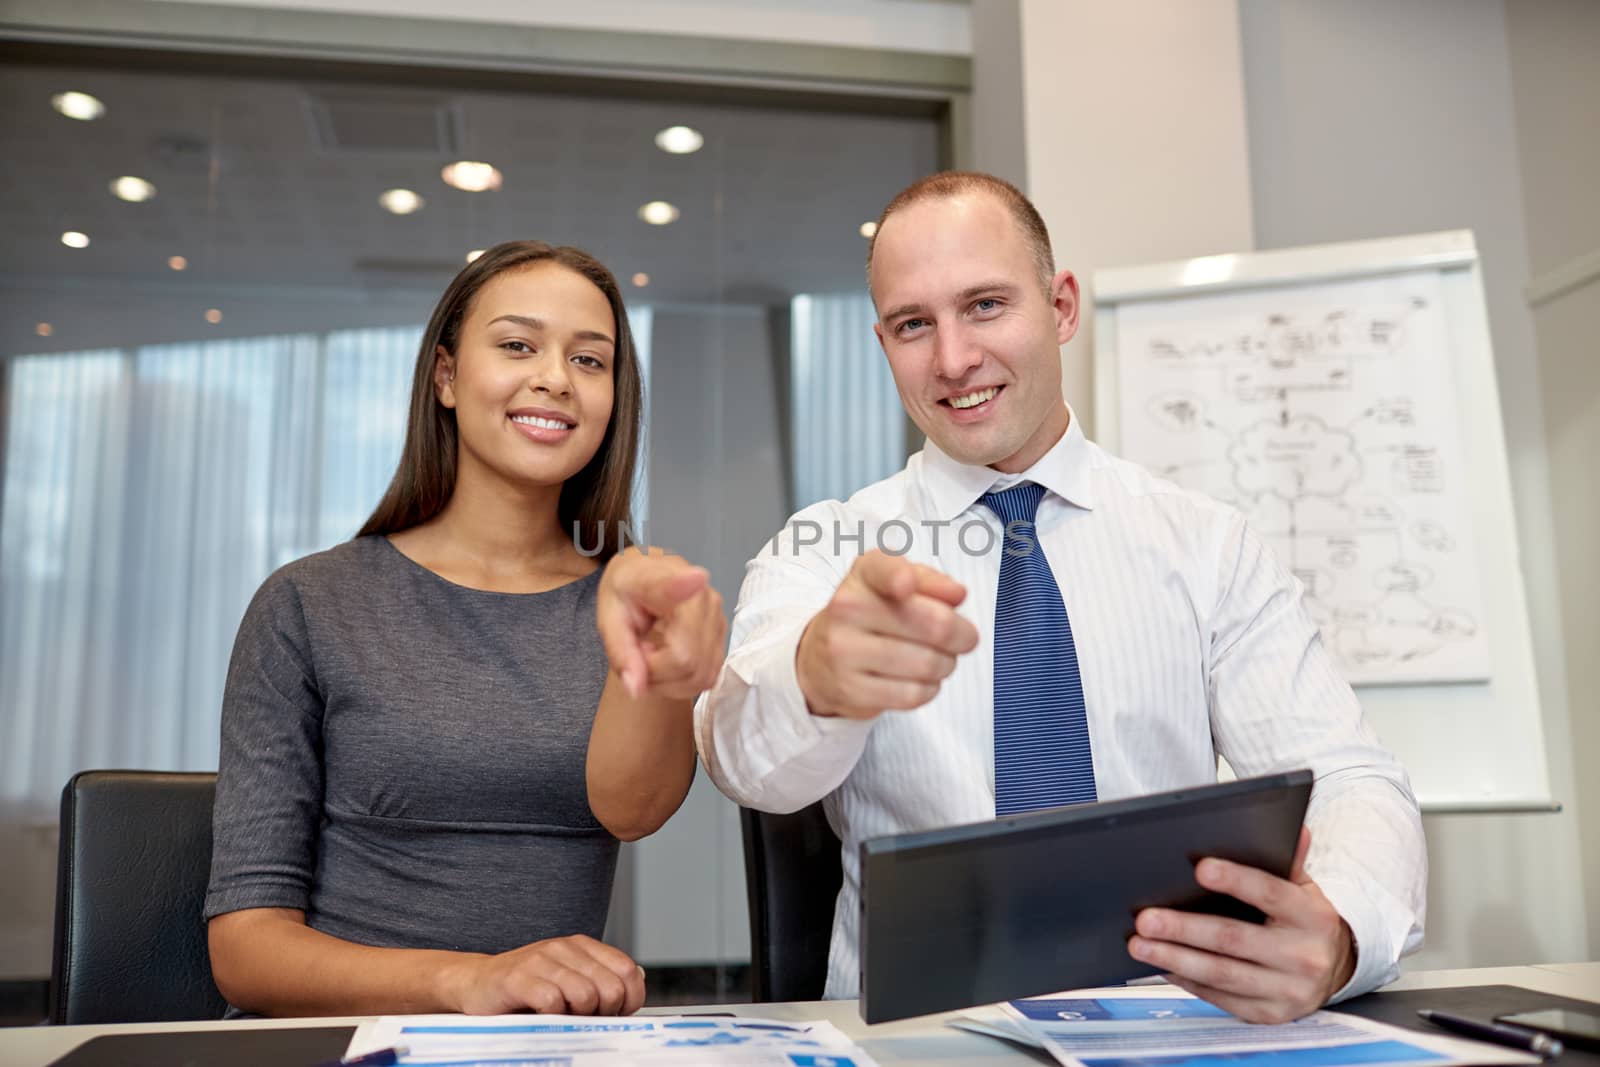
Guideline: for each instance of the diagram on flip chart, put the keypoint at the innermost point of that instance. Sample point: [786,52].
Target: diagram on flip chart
[1325,413]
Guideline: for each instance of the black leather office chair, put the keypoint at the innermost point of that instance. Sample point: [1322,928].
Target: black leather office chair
[130,945]
[792,878]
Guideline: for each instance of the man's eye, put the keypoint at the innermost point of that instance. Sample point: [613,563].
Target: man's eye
[912,324]
[988,303]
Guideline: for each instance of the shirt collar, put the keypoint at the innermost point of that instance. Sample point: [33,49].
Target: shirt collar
[953,487]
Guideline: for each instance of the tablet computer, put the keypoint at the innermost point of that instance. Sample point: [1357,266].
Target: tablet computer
[1036,903]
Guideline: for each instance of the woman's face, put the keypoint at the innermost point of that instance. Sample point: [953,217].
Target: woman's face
[533,375]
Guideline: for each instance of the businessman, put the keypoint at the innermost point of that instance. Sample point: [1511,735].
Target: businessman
[1018,620]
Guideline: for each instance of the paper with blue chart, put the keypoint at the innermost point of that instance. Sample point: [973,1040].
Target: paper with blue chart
[586,1041]
[1161,1026]
[1325,412]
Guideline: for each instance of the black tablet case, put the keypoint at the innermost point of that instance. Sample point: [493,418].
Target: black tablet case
[1036,903]
[1479,1002]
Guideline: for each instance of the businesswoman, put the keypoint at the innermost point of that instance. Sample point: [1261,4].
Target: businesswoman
[427,756]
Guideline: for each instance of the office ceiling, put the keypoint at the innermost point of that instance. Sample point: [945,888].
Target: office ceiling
[269,188]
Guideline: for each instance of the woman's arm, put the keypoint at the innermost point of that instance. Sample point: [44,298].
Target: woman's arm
[663,629]
[269,962]
[641,760]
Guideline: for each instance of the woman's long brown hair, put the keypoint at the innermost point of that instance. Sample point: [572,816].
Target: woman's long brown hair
[595,503]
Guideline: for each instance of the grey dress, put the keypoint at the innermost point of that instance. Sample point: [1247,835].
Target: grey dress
[403,757]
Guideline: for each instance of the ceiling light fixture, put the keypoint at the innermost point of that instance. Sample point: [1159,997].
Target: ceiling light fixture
[177,262]
[641,279]
[401,201]
[74,239]
[659,213]
[44,329]
[474,254]
[470,176]
[213,316]
[133,190]
[680,140]
[80,106]
[869,229]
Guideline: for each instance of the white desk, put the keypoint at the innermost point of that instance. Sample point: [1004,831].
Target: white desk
[923,1041]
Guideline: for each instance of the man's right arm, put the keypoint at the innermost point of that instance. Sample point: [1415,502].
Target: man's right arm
[816,656]
[756,736]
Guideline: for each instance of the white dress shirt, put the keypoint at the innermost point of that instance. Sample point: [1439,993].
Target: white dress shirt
[1191,640]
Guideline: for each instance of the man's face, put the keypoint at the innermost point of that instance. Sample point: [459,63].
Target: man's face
[972,338]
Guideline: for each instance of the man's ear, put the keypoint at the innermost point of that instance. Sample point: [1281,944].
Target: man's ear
[877,330]
[444,376]
[1064,299]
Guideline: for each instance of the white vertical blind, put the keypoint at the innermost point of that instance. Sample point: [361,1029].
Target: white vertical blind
[640,321]
[845,415]
[363,423]
[65,419]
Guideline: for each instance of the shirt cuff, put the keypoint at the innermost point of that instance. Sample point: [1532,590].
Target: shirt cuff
[762,745]
[1378,931]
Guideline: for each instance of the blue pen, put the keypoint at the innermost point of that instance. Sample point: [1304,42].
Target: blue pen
[384,1057]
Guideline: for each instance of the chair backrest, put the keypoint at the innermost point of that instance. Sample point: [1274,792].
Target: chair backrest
[792,878]
[130,943]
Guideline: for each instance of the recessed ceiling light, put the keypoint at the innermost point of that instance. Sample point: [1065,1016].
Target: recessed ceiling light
[641,279]
[474,254]
[401,201]
[44,329]
[869,229]
[470,176]
[659,213]
[680,140]
[74,239]
[79,106]
[213,316]
[134,190]
[177,262]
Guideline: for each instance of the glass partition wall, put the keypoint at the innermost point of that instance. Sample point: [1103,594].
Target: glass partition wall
[214,284]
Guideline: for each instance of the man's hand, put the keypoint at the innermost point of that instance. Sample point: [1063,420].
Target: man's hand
[1272,973]
[661,623]
[574,975]
[886,640]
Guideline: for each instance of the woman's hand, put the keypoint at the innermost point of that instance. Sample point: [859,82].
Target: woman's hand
[574,975]
[661,623]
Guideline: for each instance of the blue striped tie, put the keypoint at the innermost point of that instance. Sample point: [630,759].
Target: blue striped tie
[1042,755]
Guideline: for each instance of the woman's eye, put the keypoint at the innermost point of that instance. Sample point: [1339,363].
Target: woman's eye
[587,360]
[515,346]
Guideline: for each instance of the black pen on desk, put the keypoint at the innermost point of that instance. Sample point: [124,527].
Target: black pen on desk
[1498,1033]
[384,1057]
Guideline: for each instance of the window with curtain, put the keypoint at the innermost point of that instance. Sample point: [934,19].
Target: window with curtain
[147,493]
[847,424]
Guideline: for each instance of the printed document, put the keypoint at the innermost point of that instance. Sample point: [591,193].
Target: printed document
[1160,1026]
[588,1041]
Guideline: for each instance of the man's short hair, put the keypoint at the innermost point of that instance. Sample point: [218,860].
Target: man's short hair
[950,183]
